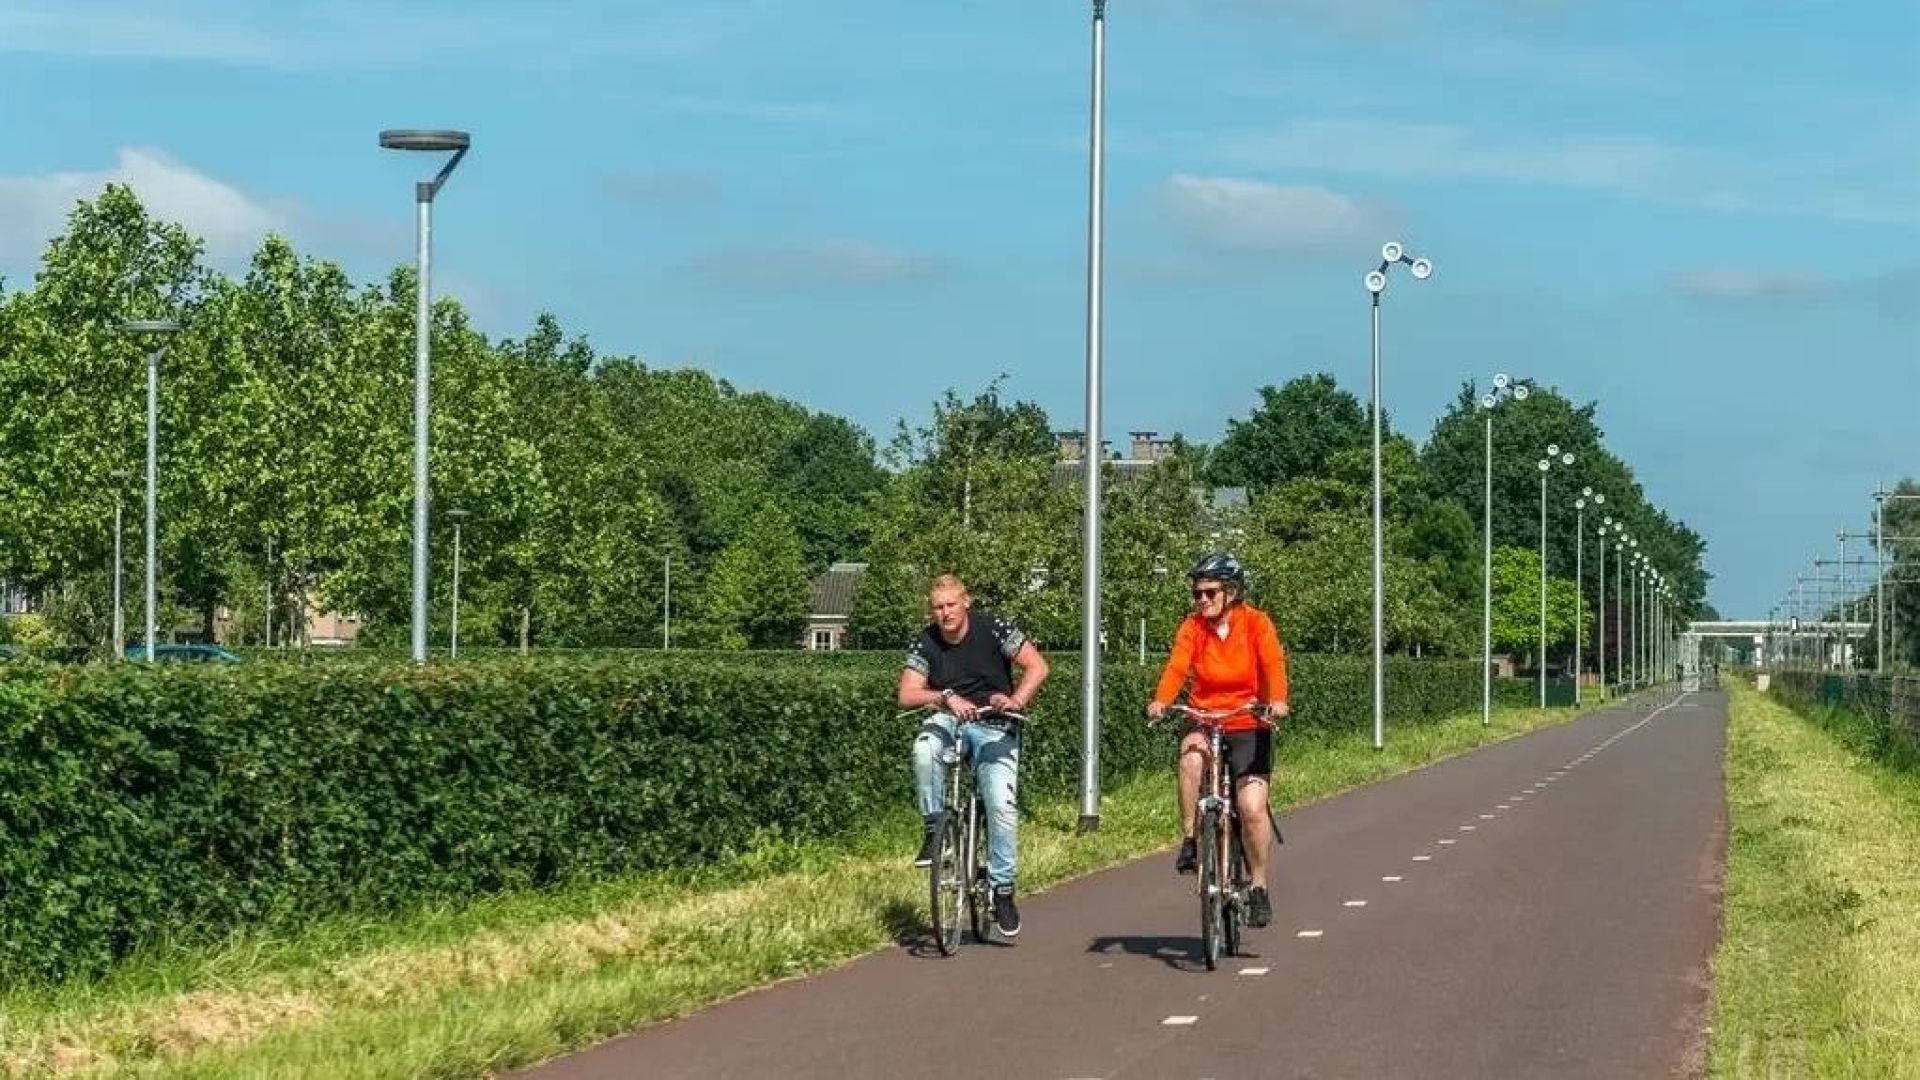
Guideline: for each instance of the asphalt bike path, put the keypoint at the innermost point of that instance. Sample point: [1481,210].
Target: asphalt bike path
[1542,907]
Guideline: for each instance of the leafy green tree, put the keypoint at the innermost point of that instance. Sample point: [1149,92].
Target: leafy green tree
[1290,435]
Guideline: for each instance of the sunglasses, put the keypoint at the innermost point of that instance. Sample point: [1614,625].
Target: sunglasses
[1206,594]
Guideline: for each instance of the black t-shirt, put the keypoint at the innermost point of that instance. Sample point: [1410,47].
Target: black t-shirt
[978,666]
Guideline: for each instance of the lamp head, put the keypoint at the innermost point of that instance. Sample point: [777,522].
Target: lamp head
[1392,250]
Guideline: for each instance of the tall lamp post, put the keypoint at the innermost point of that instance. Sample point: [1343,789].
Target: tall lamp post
[160,330]
[120,479]
[1555,456]
[1600,651]
[459,517]
[455,143]
[1505,388]
[1090,582]
[1391,253]
[1587,495]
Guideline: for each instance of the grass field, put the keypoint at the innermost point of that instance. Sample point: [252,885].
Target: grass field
[1818,970]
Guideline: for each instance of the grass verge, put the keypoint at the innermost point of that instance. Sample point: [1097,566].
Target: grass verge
[1818,969]
[515,979]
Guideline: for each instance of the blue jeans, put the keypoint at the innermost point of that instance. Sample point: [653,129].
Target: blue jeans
[996,769]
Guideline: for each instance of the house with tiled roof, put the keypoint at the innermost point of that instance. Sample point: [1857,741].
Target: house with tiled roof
[830,607]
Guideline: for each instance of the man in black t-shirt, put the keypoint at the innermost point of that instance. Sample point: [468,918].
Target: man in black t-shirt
[962,662]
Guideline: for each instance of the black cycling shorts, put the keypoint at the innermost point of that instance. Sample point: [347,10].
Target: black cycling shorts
[1249,753]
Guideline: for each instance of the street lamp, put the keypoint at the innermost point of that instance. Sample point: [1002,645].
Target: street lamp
[1620,604]
[1600,652]
[1555,456]
[1159,577]
[120,478]
[1376,281]
[160,330]
[455,143]
[459,517]
[1587,495]
[1090,539]
[1505,388]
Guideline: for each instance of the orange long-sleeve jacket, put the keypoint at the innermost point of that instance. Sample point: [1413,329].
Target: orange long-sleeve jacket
[1250,664]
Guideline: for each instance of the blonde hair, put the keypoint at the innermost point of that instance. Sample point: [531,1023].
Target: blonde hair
[948,581]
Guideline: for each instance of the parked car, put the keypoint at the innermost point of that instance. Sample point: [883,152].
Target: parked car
[183,654]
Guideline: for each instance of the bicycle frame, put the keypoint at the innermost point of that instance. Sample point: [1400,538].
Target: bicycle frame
[1221,883]
[963,819]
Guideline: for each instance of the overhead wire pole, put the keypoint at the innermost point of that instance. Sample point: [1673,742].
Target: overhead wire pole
[1091,457]
[1376,281]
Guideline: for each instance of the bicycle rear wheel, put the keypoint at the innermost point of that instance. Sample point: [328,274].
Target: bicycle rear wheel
[1232,914]
[947,884]
[1211,930]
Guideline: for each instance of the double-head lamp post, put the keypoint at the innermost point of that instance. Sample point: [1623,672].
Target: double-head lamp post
[457,144]
[1391,254]
[1555,457]
[1505,388]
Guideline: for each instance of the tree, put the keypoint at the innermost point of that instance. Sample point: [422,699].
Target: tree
[1290,435]
[1516,604]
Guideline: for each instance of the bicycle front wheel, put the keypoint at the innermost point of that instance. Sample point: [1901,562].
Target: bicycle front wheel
[1233,914]
[978,890]
[947,884]
[1211,884]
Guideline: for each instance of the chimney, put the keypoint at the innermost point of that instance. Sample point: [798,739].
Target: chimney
[1143,445]
[1072,444]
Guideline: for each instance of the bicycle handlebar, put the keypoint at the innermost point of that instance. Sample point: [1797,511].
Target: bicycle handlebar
[980,713]
[1260,712]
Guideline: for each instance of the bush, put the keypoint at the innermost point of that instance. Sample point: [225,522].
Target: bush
[180,803]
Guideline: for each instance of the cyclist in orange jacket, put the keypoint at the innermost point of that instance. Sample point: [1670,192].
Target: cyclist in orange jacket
[1230,652]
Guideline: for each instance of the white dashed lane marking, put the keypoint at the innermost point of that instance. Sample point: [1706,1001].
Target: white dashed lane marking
[1423,858]
[1356,903]
[1253,971]
[1309,933]
[1179,1021]
[1391,877]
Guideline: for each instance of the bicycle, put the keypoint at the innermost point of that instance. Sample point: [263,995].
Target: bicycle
[958,877]
[1222,882]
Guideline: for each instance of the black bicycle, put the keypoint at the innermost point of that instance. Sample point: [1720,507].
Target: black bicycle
[957,880]
[1222,883]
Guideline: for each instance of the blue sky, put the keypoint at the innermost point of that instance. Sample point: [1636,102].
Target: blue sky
[1704,217]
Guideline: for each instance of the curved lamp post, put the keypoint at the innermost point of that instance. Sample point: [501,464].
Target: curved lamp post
[1391,253]
[1505,388]
[1555,457]
[445,142]
[1587,495]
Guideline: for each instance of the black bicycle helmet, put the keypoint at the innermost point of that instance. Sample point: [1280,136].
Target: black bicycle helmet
[1220,566]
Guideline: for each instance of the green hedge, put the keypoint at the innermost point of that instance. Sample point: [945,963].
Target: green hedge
[1878,715]
[180,803]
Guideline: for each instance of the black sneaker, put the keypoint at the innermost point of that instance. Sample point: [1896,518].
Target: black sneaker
[927,842]
[1188,861]
[1005,915]
[1259,908]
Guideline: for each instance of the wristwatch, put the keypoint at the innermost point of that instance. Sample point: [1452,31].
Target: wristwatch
[946,695]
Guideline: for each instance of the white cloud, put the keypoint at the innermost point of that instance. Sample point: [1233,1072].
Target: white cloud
[1251,215]
[35,208]
[1724,283]
[844,262]
[1450,150]
[677,186]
